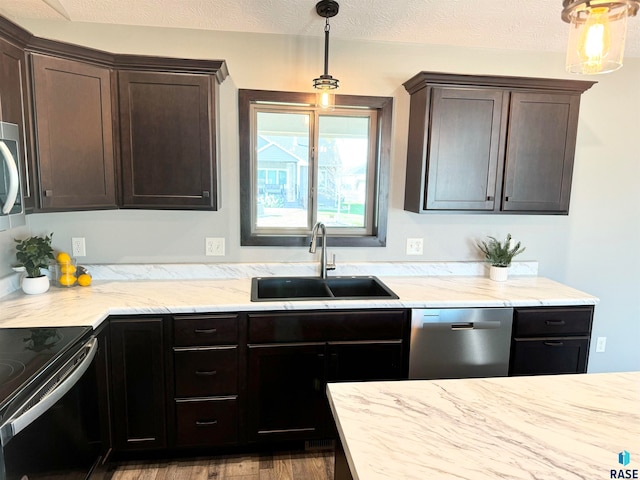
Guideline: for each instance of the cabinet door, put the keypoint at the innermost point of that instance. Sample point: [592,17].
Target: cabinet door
[138,393]
[13,109]
[168,142]
[286,391]
[464,149]
[545,356]
[540,151]
[356,361]
[103,358]
[74,134]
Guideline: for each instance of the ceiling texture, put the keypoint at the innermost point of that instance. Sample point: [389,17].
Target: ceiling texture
[533,25]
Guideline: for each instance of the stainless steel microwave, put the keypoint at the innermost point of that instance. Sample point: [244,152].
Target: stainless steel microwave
[11,199]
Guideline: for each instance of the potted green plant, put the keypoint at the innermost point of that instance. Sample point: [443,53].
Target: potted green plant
[33,254]
[499,256]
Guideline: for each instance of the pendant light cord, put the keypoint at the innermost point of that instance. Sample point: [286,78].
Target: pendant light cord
[326,46]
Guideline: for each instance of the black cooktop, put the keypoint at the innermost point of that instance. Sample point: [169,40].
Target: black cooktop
[26,353]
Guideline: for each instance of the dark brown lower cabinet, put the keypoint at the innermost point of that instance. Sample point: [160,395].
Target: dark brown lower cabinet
[286,391]
[207,421]
[551,340]
[206,385]
[287,384]
[549,356]
[355,361]
[302,352]
[138,384]
[103,376]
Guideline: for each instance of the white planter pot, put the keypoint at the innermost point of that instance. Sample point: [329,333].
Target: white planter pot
[34,286]
[498,274]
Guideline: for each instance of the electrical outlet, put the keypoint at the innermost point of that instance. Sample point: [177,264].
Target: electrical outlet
[414,246]
[78,248]
[214,246]
[601,344]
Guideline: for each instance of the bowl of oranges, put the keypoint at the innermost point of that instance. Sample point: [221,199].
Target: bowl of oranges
[69,273]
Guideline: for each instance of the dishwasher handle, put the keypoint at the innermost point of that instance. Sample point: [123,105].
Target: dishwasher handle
[462,326]
[481,325]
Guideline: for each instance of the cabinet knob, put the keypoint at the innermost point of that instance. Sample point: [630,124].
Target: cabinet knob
[205,194]
[209,373]
[489,198]
[554,344]
[48,193]
[506,199]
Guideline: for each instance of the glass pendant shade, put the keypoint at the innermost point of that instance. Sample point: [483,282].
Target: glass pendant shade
[597,31]
[326,100]
[326,86]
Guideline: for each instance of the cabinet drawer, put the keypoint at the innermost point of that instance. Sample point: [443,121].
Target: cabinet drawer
[206,372]
[552,321]
[205,330]
[546,356]
[326,326]
[207,422]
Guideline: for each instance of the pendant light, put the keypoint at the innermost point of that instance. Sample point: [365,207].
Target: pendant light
[325,83]
[597,33]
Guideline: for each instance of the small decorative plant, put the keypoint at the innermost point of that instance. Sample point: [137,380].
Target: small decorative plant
[34,253]
[499,254]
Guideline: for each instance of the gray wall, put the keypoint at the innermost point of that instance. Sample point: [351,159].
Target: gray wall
[594,249]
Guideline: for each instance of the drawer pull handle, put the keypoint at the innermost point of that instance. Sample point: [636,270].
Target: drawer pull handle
[555,323]
[206,331]
[209,373]
[206,423]
[554,344]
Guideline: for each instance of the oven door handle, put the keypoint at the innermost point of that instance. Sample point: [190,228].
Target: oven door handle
[14,179]
[16,425]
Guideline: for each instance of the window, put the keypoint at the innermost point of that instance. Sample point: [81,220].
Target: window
[300,165]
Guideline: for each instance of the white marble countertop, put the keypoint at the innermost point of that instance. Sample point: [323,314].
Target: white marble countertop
[544,427]
[91,305]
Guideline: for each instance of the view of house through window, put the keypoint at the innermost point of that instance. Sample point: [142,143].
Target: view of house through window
[313,167]
[300,165]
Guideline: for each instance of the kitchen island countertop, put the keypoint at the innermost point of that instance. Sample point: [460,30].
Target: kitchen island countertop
[80,306]
[544,427]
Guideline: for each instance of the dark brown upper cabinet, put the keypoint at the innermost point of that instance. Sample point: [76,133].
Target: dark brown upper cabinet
[103,130]
[73,121]
[491,144]
[13,99]
[168,140]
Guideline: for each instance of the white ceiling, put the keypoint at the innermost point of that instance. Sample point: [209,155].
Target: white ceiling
[502,24]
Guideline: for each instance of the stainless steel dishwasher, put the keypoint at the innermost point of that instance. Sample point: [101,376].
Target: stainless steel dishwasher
[460,342]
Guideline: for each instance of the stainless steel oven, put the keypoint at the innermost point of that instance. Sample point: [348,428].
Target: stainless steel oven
[50,419]
[11,209]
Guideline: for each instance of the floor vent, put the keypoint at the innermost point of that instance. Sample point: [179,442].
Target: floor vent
[314,445]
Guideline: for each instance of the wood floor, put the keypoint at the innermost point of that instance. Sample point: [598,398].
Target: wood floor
[295,465]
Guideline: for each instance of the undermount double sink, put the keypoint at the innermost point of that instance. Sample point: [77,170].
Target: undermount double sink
[315,288]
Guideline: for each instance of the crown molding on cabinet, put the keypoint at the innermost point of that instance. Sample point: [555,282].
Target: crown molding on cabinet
[32,44]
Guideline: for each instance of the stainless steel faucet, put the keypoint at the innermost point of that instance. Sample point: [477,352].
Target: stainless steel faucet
[324,266]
